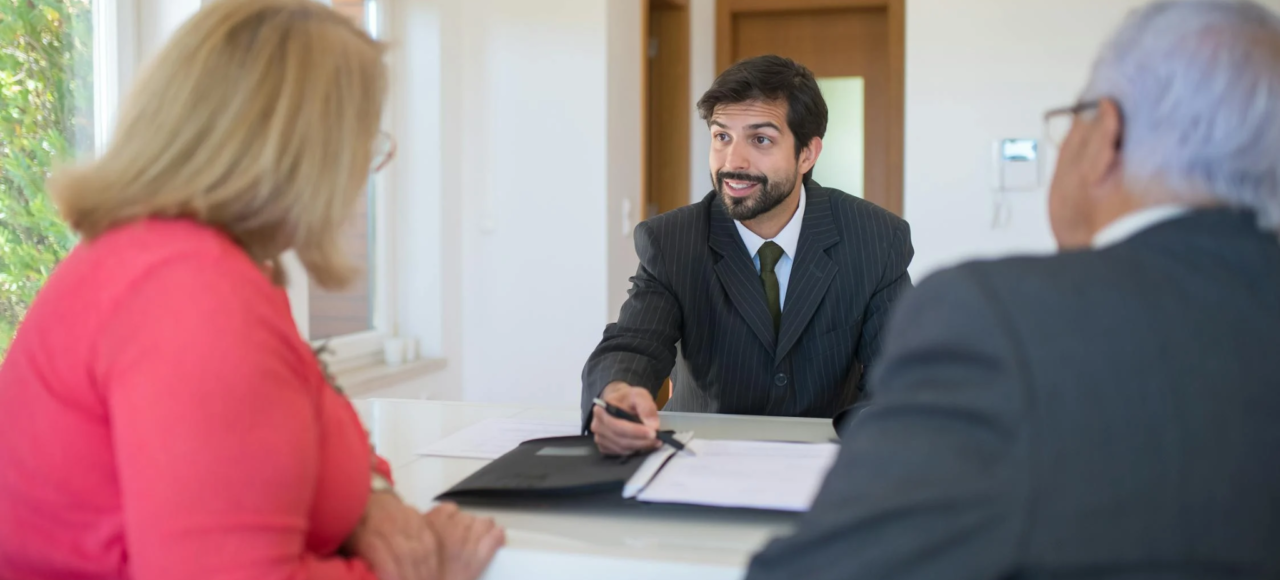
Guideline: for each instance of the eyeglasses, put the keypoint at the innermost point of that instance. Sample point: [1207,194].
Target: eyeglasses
[1058,122]
[384,150]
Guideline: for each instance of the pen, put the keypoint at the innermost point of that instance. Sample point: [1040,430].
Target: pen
[664,436]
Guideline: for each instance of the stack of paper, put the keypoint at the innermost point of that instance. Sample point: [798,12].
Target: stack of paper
[743,474]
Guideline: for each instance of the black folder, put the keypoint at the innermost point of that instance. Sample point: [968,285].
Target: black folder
[558,470]
[568,473]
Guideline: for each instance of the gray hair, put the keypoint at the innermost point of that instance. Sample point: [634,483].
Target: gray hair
[1198,82]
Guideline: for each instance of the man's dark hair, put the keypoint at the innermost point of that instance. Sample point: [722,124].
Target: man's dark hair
[772,78]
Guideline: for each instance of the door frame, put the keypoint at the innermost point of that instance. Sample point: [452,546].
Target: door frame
[647,6]
[891,199]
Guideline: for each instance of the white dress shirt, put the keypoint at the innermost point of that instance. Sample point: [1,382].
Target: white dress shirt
[1133,223]
[788,239]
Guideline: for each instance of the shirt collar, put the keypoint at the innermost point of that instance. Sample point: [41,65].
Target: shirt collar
[788,238]
[1133,223]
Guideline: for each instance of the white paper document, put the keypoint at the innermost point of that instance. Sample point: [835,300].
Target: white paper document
[652,465]
[493,438]
[744,474]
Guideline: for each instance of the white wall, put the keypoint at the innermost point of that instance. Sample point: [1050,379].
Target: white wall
[979,71]
[534,192]
[514,203]
[415,27]
[625,159]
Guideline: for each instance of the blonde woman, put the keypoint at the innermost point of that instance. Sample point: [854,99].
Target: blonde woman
[162,419]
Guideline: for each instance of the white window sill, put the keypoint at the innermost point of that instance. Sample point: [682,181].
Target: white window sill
[363,379]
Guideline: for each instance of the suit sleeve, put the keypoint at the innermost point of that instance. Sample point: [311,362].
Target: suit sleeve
[216,433]
[894,283]
[640,348]
[931,480]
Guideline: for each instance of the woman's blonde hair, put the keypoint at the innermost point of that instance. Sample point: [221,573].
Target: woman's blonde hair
[259,119]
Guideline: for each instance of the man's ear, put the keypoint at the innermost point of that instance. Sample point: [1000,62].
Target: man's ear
[1101,160]
[809,155]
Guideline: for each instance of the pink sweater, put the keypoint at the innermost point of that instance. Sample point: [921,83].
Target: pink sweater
[161,419]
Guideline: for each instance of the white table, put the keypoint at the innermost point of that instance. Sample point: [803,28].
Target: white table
[667,543]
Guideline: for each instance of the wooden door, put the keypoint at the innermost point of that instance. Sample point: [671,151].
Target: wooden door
[667,108]
[859,44]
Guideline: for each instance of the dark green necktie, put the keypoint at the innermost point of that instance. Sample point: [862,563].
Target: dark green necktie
[769,254]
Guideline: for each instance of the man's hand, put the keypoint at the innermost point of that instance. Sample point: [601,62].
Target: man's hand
[395,540]
[467,543]
[621,437]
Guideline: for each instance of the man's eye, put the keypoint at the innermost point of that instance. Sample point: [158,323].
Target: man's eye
[762,140]
[722,137]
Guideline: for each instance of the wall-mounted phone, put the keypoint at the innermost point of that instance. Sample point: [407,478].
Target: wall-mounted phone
[1015,168]
[1017,165]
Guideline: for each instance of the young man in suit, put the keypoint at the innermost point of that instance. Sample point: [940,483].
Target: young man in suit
[1109,412]
[769,295]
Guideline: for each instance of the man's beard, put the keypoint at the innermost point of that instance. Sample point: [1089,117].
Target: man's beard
[771,194]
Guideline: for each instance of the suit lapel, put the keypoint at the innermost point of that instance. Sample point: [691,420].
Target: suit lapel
[812,271]
[737,273]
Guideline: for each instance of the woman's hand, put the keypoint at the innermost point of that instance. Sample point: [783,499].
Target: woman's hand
[466,543]
[396,540]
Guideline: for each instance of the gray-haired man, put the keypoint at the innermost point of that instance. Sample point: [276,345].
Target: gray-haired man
[1112,411]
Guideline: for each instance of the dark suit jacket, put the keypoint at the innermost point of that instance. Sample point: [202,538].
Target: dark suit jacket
[698,287]
[1110,414]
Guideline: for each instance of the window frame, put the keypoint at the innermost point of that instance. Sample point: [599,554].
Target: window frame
[361,349]
[113,58]
[121,35]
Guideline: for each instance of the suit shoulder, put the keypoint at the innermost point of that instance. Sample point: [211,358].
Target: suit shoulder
[1049,267]
[850,208]
[1010,281]
[688,218]
[673,235]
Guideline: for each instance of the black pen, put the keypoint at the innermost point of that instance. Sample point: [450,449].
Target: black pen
[664,436]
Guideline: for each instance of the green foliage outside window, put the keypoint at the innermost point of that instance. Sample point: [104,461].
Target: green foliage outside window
[46,117]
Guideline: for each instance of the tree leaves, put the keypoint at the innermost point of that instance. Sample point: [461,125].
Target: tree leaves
[46,116]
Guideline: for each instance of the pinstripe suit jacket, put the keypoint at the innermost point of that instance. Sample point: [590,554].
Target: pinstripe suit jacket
[697,311]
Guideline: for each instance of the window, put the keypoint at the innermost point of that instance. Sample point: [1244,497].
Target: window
[355,321]
[47,114]
[843,158]
[63,68]
[350,311]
